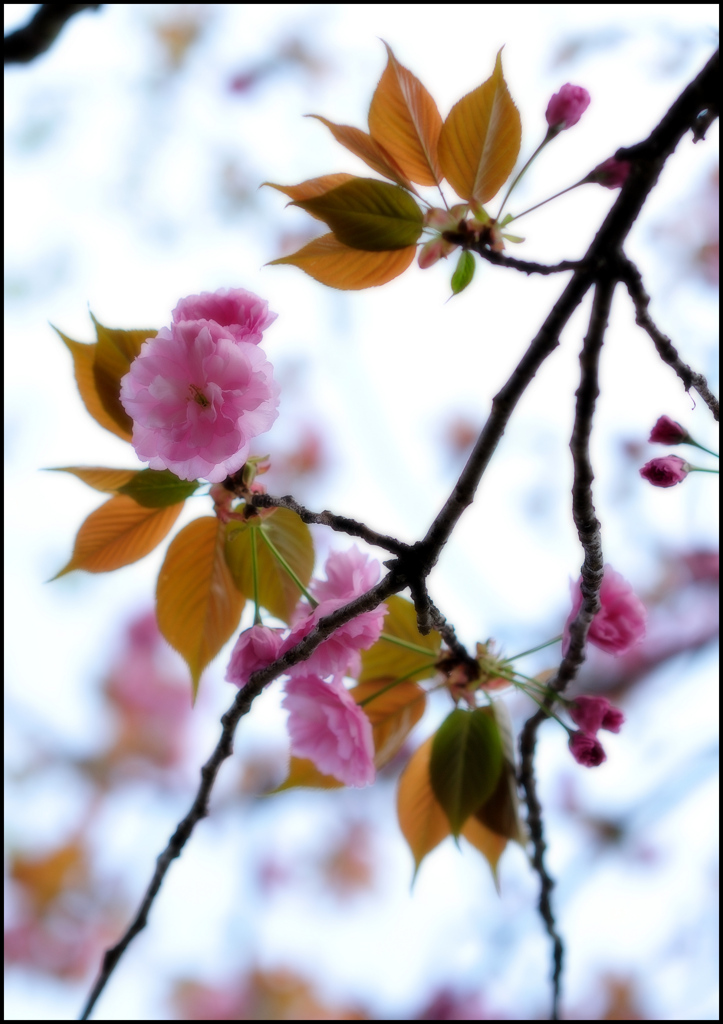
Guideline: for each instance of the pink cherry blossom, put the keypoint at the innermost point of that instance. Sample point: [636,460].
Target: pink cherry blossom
[611,173]
[328,727]
[197,397]
[586,749]
[255,648]
[665,472]
[620,623]
[243,314]
[567,106]
[349,575]
[667,431]
[593,713]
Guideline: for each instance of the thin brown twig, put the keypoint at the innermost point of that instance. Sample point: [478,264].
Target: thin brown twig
[663,345]
[46,24]
[588,529]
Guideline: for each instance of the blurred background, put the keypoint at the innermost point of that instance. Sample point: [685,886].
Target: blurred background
[135,149]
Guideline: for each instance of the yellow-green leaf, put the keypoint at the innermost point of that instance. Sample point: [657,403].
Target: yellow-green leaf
[312,187]
[303,773]
[277,591]
[423,822]
[83,360]
[118,533]
[330,262]
[466,763]
[404,120]
[501,812]
[480,139]
[388,660]
[367,149]
[368,214]
[114,353]
[463,273]
[98,477]
[393,714]
[154,488]
[197,603]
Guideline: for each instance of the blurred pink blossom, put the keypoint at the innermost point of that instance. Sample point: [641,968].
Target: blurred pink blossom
[667,431]
[244,314]
[593,713]
[255,648]
[567,106]
[620,623]
[328,727]
[197,397]
[665,472]
[586,749]
[611,173]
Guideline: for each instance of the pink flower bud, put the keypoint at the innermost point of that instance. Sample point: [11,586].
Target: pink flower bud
[665,472]
[567,107]
[667,431]
[611,173]
[586,749]
[593,713]
[255,648]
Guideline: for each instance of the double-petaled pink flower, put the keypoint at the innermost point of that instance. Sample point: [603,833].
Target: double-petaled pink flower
[244,314]
[594,713]
[197,397]
[665,472]
[349,574]
[567,107]
[328,727]
[619,624]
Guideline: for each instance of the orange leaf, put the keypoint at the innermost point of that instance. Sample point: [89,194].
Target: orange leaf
[197,603]
[480,139]
[98,477]
[327,260]
[421,819]
[312,187]
[489,843]
[367,149]
[404,120]
[114,353]
[50,875]
[83,360]
[305,773]
[393,714]
[119,532]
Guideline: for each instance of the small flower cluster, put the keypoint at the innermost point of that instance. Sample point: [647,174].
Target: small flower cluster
[325,723]
[202,389]
[591,714]
[671,469]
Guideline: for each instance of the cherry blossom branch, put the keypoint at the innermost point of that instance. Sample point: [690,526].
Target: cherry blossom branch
[28,42]
[526,266]
[588,529]
[663,345]
[241,706]
[341,524]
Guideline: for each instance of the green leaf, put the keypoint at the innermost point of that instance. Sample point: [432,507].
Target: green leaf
[389,660]
[466,763]
[154,488]
[277,591]
[367,214]
[464,272]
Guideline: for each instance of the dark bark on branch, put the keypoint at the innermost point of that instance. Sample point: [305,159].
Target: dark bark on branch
[603,265]
[663,345]
[28,42]
[588,529]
